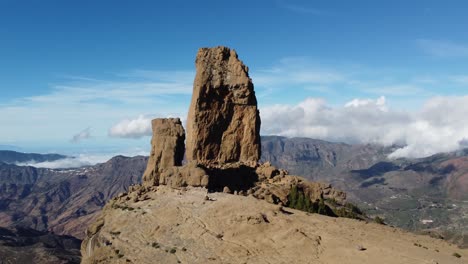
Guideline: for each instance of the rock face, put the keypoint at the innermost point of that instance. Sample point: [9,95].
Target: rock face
[167,148]
[188,175]
[223,123]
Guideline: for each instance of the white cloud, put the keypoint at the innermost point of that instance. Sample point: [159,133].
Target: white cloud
[69,162]
[66,108]
[84,134]
[138,127]
[443,48]
[132,128]
[437,127]
[81,160]
[379,103]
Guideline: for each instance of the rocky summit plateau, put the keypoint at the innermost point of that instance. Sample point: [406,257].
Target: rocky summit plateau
[222,205]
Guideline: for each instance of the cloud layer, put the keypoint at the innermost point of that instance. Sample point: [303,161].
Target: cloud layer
[86,159]
[69,162]
[132,128]
[437,127]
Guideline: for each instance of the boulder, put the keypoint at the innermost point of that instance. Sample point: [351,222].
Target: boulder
[223,123]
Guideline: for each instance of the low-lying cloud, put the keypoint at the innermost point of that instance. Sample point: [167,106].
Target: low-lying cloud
[82,160]
[437,127]
[132,128]
[69,162]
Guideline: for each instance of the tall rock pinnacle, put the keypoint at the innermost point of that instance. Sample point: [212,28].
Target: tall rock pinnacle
[223,123]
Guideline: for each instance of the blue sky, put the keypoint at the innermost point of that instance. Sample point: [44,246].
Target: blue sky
[70,71]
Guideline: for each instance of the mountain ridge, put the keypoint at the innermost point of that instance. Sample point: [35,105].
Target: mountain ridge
[10,156]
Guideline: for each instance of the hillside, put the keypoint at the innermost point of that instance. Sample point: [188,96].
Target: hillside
[183,226]
[363,171]
[63,201]
[222,205]
[424,195]
[23,245]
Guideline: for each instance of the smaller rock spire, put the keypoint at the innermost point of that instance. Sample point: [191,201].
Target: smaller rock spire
[167,148]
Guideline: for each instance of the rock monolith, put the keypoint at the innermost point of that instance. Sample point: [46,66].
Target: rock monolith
[223,123]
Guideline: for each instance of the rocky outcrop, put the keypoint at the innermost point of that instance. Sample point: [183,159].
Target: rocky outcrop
[223,123]
[223,149]
[223,134]
[167,148]
[275,186]
[192,226]
[223,139]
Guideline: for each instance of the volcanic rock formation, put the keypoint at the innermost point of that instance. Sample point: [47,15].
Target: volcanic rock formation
[223,123]
[223,138]
[167,148]
[223,149]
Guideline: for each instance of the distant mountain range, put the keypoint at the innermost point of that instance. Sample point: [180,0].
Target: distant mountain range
[63,200]
[10,147]
[9,156]
[423,195]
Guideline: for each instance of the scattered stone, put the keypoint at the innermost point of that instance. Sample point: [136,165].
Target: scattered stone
[226,189]
[267,171]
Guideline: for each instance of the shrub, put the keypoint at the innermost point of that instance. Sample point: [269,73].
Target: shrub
[456,255]
[379,220]
[297,199]
[353,208]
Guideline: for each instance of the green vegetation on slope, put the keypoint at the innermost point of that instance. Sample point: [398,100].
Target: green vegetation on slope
[297,199]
